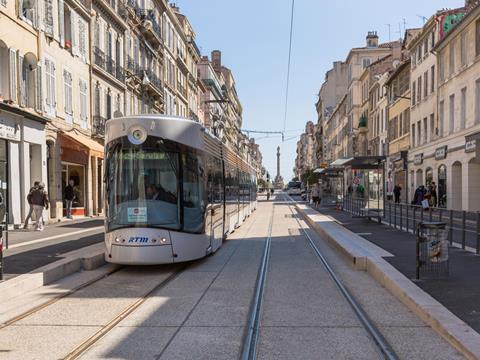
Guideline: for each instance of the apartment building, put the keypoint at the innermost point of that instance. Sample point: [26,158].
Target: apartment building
[23,148]
[456,156]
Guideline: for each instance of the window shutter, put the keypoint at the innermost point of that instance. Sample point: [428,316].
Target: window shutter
[61,22]
[97,34]
[13,74]
[48,97]
[82,38]
[48,17]
[22,81]
[83,100]
[74,32]
[38,88]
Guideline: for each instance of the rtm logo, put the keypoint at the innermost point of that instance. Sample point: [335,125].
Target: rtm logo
[138,239]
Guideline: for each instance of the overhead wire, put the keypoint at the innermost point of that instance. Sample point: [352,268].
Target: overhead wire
[288,66]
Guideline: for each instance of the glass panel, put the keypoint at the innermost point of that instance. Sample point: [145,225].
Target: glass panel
[193,192]
[142,187]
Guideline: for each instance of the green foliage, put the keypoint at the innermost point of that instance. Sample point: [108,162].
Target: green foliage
[262,183]
[309,177]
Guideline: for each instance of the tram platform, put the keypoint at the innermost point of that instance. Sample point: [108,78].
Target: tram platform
[459,292]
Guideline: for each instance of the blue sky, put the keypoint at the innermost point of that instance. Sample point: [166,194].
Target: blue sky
[253,38]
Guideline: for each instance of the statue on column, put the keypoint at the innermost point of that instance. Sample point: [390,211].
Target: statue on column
[278,179]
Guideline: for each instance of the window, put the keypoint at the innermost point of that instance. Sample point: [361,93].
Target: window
[406,120]
[82,84]
[477,101]
[425,48]
[477,38]
[366,63]
[433,40]
[413,135]
[400,125]
[425,84]
[432,126]
[419,128]
[419,54]
[68,94]
[50,87]
[441,119]
[451,116]
[27,12]
[419,90]
[451,58]
[48,17]
[432,79]
[108,103]
[463,108]
[463,49]
[425,130]
[441,65]
[414,93]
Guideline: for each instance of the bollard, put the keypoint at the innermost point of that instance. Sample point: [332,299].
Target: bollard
[440,212]
[395,216]
[464,224]
[450,233]
[421,214]
[401,217]
[431,212]
[390,213]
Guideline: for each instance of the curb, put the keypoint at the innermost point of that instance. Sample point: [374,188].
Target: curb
[369,258]
[89,258]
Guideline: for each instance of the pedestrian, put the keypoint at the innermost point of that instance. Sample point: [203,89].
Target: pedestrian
[315,195]
[433,193]
[397,191]
[29,199]
[39,202]
[69,196]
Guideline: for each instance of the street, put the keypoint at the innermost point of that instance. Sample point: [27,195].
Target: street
[173,311]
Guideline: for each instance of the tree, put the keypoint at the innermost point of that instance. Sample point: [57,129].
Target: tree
[309,177]
[262,184]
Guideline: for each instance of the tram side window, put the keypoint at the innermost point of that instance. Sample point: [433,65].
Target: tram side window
[194,192]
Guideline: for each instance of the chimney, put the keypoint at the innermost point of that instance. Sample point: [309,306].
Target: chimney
[175,8]
[217,60]
[372,39]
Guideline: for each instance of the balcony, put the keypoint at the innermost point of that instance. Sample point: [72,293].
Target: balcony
[107,64]
[150,27]
[154,84]
[182,90]
[117,10]
[98,126]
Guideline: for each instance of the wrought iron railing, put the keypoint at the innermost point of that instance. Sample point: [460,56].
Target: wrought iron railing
[108,64]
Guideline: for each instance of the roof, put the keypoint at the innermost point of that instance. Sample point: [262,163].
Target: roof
[470,12]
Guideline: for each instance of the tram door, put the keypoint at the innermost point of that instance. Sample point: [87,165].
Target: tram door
[215,203]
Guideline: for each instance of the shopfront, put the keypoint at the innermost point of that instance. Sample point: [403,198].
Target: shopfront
[81,159]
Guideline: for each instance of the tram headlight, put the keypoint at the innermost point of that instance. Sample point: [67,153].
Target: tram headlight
[163,240]
[117,240]
[137,135]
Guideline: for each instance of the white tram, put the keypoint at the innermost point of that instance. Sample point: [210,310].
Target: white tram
[173,191]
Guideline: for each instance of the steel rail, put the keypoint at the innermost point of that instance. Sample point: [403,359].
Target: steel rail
[87,344]
[367,323]
[58,297]
[249,348]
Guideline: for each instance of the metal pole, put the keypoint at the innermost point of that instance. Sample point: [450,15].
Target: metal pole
[440,214]
[395,215]
[401,217]
[414,215]
[464,224]
[1,253]
[417,252]
[406,216]
[451,227]
[390,213]
[421,214]
[478,234]
[431,211]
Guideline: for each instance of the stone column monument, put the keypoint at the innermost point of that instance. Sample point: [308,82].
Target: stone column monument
[278,179]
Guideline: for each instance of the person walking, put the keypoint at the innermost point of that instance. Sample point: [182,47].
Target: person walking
[39,202]
[397,191]
[29,199]
[433,193]
[315,195]
[69,195]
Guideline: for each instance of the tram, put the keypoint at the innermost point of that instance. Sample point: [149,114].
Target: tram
[173,191]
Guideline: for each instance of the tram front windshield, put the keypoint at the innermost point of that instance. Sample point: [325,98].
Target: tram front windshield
[142,188]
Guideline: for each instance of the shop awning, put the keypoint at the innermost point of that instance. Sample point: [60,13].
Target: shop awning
[340,162]
[318,171]
[91,145]
[365,162]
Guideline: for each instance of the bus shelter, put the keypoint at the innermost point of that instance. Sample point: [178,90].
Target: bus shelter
[331,186]
[364,181]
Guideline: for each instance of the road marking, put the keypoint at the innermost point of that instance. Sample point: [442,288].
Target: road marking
[26,243]
[363,234]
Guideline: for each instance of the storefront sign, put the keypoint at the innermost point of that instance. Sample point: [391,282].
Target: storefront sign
[470,146]
[418,160]
[441,153]
[9,130]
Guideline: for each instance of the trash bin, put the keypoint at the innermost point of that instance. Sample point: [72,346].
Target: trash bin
[432,249]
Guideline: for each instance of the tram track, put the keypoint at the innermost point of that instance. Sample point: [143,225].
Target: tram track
[87,344]
[59,297]
[375,334]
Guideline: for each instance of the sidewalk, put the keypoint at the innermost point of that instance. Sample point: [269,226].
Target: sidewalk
[28,249]
[459,293]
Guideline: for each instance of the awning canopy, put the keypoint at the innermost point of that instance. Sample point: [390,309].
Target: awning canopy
[365,162]
[340,162]
[318,171]
[91,145]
